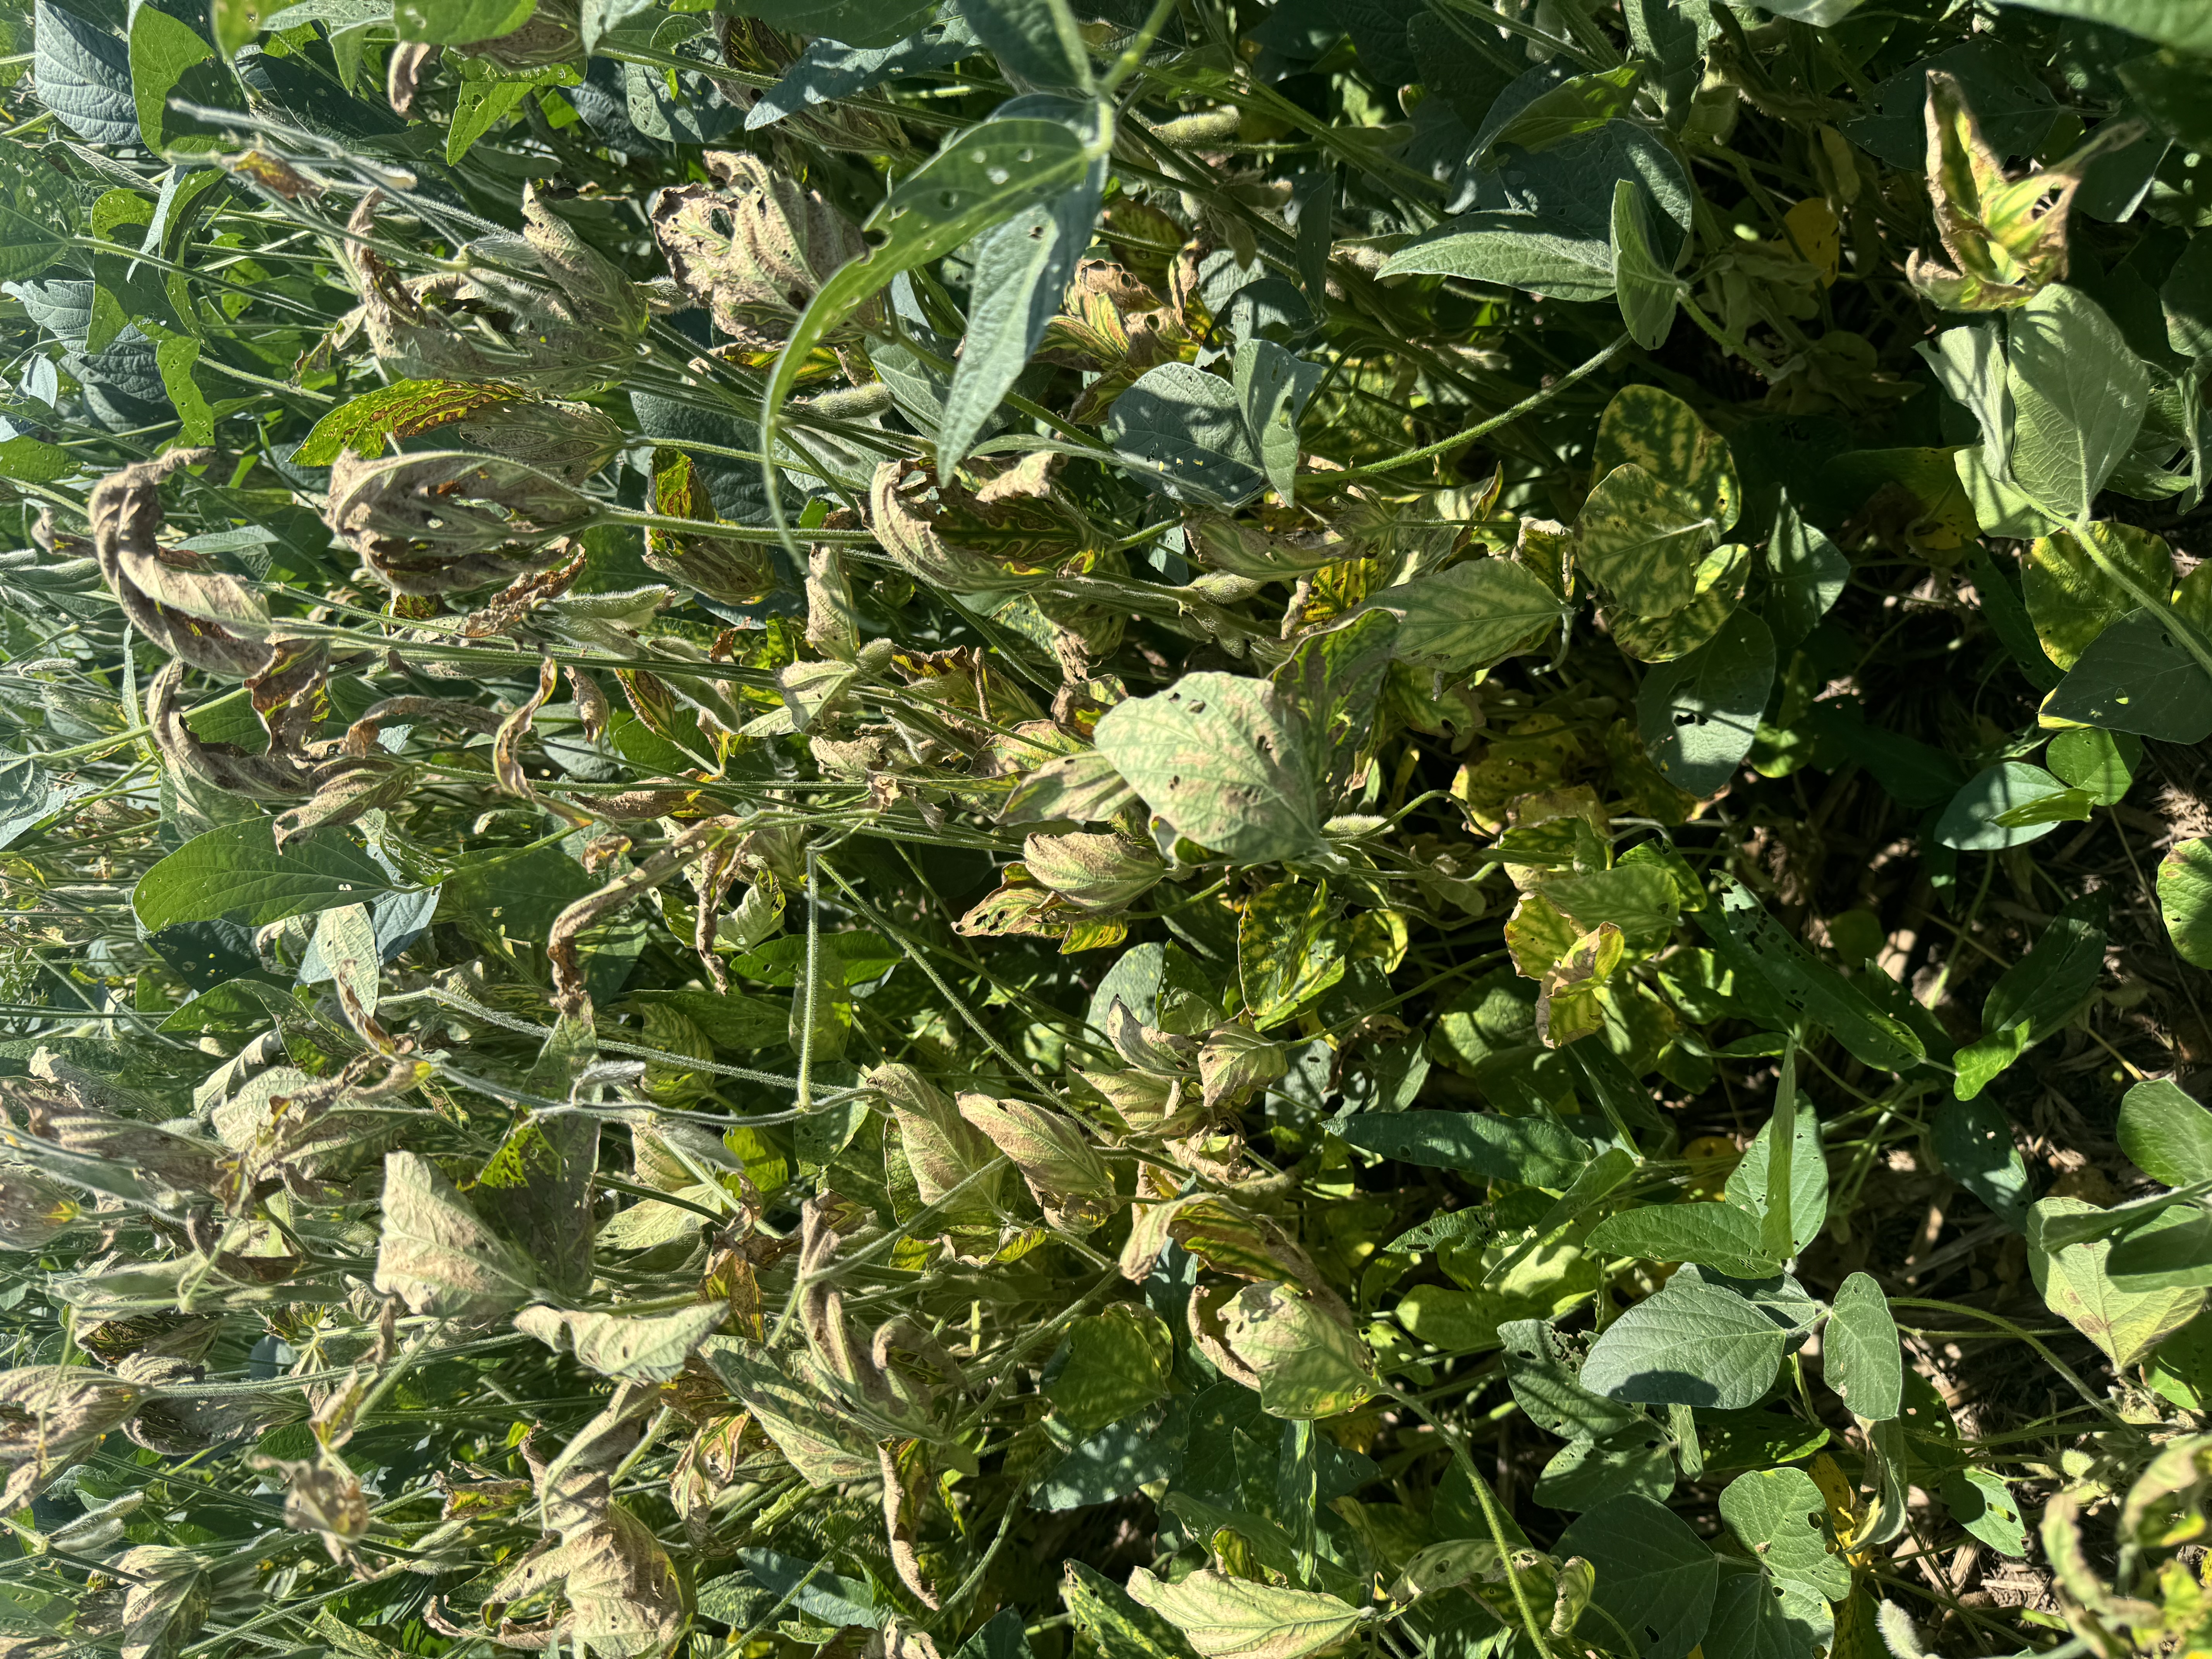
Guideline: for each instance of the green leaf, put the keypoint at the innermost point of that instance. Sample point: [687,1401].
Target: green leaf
[1756,1439]
[1814,990]
[1226,1617]
[1805,1168]
[1022,270]
[164,50]
[1184,431]
[633,1347]
[2074,1285]
[25,460]
[1699,715]
[345,943]
[1776,1514]
[2138,677]
[1807,573]
[2101,764]
[436,1256]
[2166,1133]
[983,176]
[2171,1250]
[1864,1363]
[2071,597]
[2185,901]
[1585,1473]
[29,795]
[235,22]
[2007,805]
[1548,1390]
[1756,1617]
[2045,988]
[1039,40]
[1974,1140]
[2078,396]
[1655,1577]
[1273,388]
[1225,761]
[1657,431]
[1535,1150]
[1470,615]
[83,76]
[1309,1362]
[1119,1626]
[1980,1501]
[1117,1364]
[2169,22]
[1719,1235]
[1511,250]
[239,872]
[1692,1343]
[176,356]
[459,22]
[1647,290]
[838,1601]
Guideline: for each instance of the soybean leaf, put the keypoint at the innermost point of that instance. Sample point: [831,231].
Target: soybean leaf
[2171,1250]
[1647,290]
[1803,1168]
[1807,573]
[2008,805]
[1758,1618]
[2102,764]
[2075,1284]
[1538,1152]
[1273,386]
[2170,24]
[2166,1133]
[29,795]
[1226,1617]
[1185,431]
[1719,1235]
[1699,715]
[1974,1139]
[2078,395]
[84,76]
[1470,615]
[1038,40]
[1585,1473]
[1655,1577]
[1223,760]
[1512,249]
[983,176]
[2184,900]
[1022,268]
[1692,1344]
[1776,1514]
[1864,1365]
[2138,677]
[238,871]
[1546,1388]
[1740,926]
[1642,540]
[457,22]
[1981,1501]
